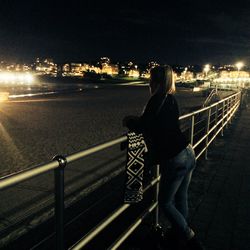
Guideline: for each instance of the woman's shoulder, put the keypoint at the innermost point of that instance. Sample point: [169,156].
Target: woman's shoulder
[156,98]
[171,96]
[171,102]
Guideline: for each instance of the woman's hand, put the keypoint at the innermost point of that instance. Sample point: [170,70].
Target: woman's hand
[128,119]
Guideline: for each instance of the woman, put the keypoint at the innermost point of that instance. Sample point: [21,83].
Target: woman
[160,125]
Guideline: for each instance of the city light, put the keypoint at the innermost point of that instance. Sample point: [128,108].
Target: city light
[134,73]
[206,68]
[227,79]
[11,77]
[239,65]
[4,96]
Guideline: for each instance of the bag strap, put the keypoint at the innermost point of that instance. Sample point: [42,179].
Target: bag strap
[160,107]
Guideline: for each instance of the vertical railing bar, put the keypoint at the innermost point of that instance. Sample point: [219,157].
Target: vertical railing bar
[208,125]
[230,109]
[241,100]
[192,131]
[233,108]
[157,189]
[227,105]
[59,201]
[223,113]
[234,102]
[216,116]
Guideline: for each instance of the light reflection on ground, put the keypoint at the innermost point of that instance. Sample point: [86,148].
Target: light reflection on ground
[21,90]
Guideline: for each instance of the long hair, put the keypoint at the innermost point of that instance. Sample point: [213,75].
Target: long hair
[162,80]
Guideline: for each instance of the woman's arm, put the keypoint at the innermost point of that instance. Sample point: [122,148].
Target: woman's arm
[139,124]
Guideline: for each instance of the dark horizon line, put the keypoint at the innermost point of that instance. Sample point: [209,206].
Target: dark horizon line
[139,62]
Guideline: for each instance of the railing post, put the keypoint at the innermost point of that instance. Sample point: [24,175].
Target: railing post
[240,99]
[230,110]
[192,131]
[223,113]
[227,113]
[59,201]
[233,102]
[216,117]
[243,96]
[208,127]
[157,189]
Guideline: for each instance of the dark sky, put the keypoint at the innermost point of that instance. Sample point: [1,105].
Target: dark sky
[175,32]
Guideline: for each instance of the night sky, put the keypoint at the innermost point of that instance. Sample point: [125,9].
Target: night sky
[174,32]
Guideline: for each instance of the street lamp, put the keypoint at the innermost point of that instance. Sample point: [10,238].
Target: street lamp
[239,65]
[206,69]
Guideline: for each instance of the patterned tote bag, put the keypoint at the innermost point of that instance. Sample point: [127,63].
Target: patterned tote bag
[136,148]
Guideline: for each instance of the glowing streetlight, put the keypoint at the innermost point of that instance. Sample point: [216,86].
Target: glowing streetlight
[12,77]
[184,73]
[206,68]
[239,65]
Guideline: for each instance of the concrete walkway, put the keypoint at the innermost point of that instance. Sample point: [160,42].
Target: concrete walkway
[220,190]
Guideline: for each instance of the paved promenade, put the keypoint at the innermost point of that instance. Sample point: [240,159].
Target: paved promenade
[222,215]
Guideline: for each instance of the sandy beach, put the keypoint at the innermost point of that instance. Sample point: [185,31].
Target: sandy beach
[33,130]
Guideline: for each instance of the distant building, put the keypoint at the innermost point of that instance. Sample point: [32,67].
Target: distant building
[187,75]
[134,73]
[45,67]
[79,69]
[234,74]
[105,60]
[76,69]
[66,69]
[110,69]
[233,79]
[94,69]
[106,67]
[152,65]
[145,74]
[14,67]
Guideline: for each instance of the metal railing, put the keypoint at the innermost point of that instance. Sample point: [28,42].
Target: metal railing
[209,98]
[208,122]
[205,125]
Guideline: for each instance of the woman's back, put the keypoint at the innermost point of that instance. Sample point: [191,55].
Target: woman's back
[164,128]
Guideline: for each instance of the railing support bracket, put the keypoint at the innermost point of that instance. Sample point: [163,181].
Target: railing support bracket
[59,200]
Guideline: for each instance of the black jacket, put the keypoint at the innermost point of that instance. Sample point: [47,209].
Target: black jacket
[159,123]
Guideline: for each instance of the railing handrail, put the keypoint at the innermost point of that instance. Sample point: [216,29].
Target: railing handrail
[230,105]
[207,108]
[92,150]
[212,93]
[13,179]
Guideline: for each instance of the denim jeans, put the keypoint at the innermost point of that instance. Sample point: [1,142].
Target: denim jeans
[176,175]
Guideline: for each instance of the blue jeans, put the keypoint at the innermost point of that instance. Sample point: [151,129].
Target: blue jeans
[176,175]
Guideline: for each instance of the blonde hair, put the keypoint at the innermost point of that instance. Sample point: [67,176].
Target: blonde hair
[163,79]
